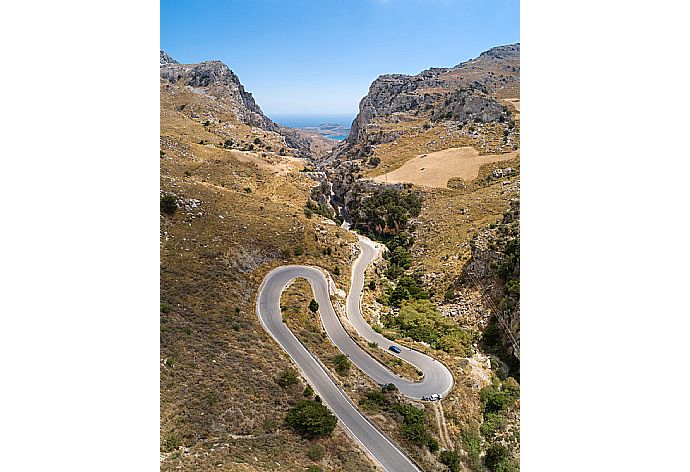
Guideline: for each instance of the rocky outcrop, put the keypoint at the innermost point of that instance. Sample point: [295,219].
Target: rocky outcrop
[495,269]
[166,59]
[462,93]
[215,79]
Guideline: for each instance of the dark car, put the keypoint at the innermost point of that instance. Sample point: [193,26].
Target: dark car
[395,349]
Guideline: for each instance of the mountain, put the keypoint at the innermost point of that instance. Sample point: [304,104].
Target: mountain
[219,87]
[431,170]
[233,203]
[471,91]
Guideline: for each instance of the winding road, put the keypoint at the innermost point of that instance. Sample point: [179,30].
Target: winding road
[437,378]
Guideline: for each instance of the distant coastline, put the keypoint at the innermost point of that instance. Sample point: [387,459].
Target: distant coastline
[335,127]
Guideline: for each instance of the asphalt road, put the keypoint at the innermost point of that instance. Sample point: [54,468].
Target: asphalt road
[437,378]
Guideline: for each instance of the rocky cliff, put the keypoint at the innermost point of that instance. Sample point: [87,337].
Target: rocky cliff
[467,93]
[215,79]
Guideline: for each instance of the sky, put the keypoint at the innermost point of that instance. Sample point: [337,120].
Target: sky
[318,57]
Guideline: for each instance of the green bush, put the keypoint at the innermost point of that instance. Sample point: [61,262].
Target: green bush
[168,204]
[287,378]
[421,321]
[373,399]
[374,161]
[311,419]
[342,364]
[451,459]
[299,250]
[414,427]
[472,444]
[308,391]
[316,452]
[493,422]
[165,308]
[498,459]
[171,442]
[313,305]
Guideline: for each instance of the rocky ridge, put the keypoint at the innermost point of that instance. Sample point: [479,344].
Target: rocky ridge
[216,80]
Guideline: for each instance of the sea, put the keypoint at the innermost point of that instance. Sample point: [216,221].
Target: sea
[313,121]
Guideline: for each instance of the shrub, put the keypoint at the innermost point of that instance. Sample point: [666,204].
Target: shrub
[373,399]
[248,189]
[372,285]
[229,143]
[311,419]
[451,459]
[287,378]
[497,459]
[374,161]
[316,452]
[207,123]
[414,427]
[257,141]
[165,308]
[168,204]
[314,468]
[342,364]
[471,443]
[492,422]
[308,391]
[421,321]
[282,151]
[171,442]
[373,344]
[298,250]
[313,305]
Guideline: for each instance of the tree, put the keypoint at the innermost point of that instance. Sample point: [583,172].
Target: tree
[311,419]
[313,305]
[168,204]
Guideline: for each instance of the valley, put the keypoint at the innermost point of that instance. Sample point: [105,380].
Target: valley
[430,169]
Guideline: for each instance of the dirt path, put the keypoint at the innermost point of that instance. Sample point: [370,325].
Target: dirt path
[446,443]
[437,168]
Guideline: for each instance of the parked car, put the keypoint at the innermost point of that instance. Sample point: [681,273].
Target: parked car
[395,349]
[431,398]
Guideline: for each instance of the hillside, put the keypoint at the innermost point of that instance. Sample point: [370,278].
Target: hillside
[431,168]
[449,137]
[231,209]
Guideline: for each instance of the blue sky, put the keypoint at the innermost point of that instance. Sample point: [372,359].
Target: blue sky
[318,57]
